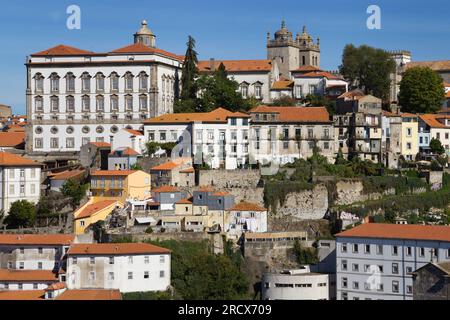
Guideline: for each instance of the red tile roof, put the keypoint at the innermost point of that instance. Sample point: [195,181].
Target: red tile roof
[91,209]
[399,231]
[236,65]
[221,193]
[282,85]
[188,170]
[306,69]
[319,74]
[296,114]
[22,295]
[90,294]
[115,249]
[247,206]
[99,173]
[206,189]
[218,115]
[11,160]
[68,174]
[126,152]
[56,286]
[167,166]
[63,50]
[27,275]
[12,139]
[37,239]
[185,201]
[135,132]
[139,48]
[432,120]
[163,189]
[439,65]
[101,144]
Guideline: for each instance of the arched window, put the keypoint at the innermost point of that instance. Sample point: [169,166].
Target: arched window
[39,82]
[114,102]
[143,81]
[70,104]
[100,103]
[114,78]
[39,104]
[86,103]
[244,90]
[54,82]
[70,82]
[100,82]
[86,82]
[54,104]
[128,81]
[129,102]
[143,102]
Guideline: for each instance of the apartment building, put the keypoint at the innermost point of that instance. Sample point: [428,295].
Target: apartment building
[245,217]
[317,82]
[218,138]
[438,127]
[129,267]
[20,179]
[121,184]
[178,172]
[283,134]
[96,209]
[358,125]
[26,279]
[376,261]
[76,96]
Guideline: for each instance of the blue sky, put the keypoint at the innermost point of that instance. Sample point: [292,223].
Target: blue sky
[232,29]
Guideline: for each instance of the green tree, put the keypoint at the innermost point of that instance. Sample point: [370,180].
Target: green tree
[436,146]
[368,69]
[151,147]
[189,72]
[74,189]
[284,101]
[305,255]
[340,158]
[22,214]
[421,91]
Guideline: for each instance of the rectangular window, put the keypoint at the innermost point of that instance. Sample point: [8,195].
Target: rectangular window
[130,259]
[130,275]
[146,259]
[21,265]
[394,250]
[161,274]
[92,260]
[54,143]
[151,135]
[344,247]
[39,265]
[395,286]
[74,260]
[111,260]
[422,252]
[110,275]
[408,251]
[355,248]
[395,268]
[146,275]
[344,265]
[233,121]
[379,249]
[70,142]
[409,289]
[162,136]
[92,275]
[355,285]
[344,282]
[162,259]
[355,267]
[367,248]
[35,286]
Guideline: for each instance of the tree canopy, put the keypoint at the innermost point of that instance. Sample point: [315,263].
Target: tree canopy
[74,189]
[436,146]
[189,72]
[22,214]
[421,91]
[368,68]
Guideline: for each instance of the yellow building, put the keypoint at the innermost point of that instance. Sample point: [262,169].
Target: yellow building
[96,209]
[121,184]
[410,136]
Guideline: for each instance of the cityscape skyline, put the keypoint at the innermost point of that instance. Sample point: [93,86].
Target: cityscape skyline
[243,36]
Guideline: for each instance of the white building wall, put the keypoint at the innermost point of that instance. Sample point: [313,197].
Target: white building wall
[386,259]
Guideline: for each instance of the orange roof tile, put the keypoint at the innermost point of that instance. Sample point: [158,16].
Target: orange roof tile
[37,239]
[101,144]
[218,115]
[188,170]
[296,114]
[99,173]
[399,231]
[90,294]
[432,120]
[126,152]
[306,69]
[91,209]
[27,275]
[63,50]
[68,174]
[167,166]
[12,139]
[352,95]
[221,193]
[115,249]
[236,65]
[247,206]
[135,132]
[206,189]
[163,189]
[16,127]
[319,74]
[185,201]
[139,48]
[282,85]
[439,65]
[56,286]
[22,295]
[11,160]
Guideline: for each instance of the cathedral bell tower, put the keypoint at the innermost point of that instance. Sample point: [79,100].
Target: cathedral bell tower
[145,36]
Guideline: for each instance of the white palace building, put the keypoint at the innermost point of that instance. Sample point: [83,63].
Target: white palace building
[76,96]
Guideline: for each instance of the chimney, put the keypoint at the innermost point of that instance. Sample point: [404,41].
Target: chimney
[212,64]
[111,140]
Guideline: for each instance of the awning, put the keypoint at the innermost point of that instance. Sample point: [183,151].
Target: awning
[145,220]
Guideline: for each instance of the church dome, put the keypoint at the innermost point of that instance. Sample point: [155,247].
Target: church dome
[144,30]
[145,35]
[283,33]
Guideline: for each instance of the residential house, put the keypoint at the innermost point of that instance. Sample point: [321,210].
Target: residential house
[96,209]
[218,138]
[318,83]
[122,159]
[358,125]
[130,138]
[432,282]
[245,217]
[12,140]
[438,127]
[57,180]
[283,134]
[129,267]
[121,184]
[255,77]
[376,261]
[282,88]
[165,197]
[20,179]
[177,172]
[26,279]
[95,155]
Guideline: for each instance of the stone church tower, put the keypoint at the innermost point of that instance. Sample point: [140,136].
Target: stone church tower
[291,53]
